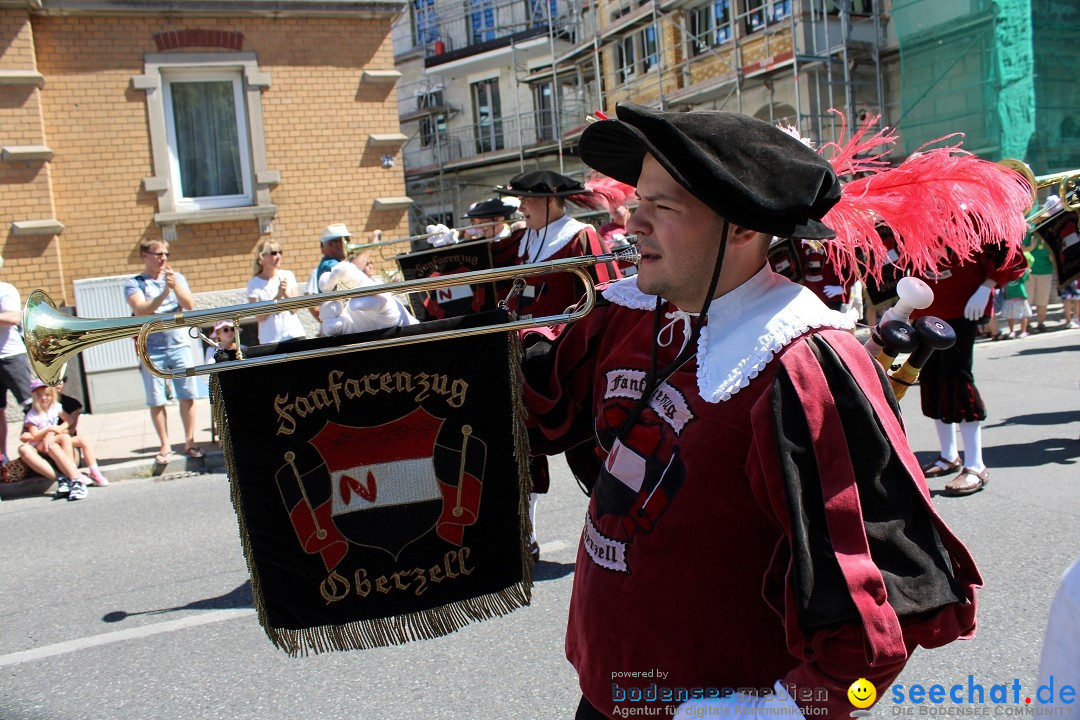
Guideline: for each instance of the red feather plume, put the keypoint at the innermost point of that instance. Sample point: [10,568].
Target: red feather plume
[939,199]
[607,193]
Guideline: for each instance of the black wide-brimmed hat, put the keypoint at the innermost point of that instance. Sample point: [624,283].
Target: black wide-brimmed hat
[542,183]
[493,208]
[748,171]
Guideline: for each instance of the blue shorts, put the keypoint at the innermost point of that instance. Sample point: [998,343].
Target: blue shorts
[173,358]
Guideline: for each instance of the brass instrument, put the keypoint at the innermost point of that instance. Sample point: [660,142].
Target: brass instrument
[1068,182]
[351,248]
[53,338]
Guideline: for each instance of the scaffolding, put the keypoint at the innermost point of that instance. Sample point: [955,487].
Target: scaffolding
[785,61]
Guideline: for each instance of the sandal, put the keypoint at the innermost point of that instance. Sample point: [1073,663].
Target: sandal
[197,452]
[935,469]
[962,485]
[163,458]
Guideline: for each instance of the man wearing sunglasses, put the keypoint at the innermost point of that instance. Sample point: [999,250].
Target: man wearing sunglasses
[160,289]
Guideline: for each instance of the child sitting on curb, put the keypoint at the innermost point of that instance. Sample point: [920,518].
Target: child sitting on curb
[45,434]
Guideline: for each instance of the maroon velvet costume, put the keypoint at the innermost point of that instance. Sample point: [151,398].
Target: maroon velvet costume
[784,533]
[947,382]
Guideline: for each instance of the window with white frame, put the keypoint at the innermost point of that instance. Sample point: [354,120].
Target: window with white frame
[426,22]
[204,113]
[206,126]
[487,109]
[433,126]
[649,53]
[625,65]
[544,108]
[760,12]
[710,25]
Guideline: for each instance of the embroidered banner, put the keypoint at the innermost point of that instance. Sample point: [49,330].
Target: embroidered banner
[382,495]
[451,301]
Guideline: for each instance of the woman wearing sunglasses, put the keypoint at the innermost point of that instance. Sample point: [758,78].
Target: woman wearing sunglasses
[271,282]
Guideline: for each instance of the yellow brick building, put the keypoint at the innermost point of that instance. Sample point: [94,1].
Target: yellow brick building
[90,149]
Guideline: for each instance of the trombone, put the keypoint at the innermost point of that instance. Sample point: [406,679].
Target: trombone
[53,338]
[351,248]
[1068,182]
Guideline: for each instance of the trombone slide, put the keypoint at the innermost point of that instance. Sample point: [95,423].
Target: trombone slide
[53,338]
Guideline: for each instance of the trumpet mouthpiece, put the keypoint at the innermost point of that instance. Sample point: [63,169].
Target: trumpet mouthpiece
[629,254]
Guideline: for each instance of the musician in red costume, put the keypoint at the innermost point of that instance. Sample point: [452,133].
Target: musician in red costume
[821,277]
[963,296]
[550,234]
[759,520]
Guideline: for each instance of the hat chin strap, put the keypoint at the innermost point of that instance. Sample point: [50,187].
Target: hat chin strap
[542,237]
[653,378]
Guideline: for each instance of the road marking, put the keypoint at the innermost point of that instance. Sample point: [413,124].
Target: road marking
[70,646]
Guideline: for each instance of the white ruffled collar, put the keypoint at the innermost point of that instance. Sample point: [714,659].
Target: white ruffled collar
[555,237]
[746,327]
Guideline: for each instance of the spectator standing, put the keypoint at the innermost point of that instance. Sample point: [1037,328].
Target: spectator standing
[272,282]
[1041,280]
[1070,298]
[1016,305]
[14,366]
[332,244]
[160,289]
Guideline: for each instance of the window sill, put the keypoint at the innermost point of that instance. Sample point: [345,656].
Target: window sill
[195,217]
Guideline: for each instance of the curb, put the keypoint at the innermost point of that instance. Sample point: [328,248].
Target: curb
[143,469]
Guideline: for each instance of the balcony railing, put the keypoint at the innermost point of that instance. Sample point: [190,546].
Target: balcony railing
[456,30]
[489,140]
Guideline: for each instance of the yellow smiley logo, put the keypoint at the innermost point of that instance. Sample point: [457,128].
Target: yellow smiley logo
[862,693]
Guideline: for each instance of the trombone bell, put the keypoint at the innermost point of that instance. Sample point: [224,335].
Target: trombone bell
[1068,183]
[53,338]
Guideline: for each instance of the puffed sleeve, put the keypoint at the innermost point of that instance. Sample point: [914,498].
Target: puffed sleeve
[866,570]
[1001,266]
[558,370]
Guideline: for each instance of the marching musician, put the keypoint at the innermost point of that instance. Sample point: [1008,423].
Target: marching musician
[550,234]
[494,214]
[759,520]
[963,297]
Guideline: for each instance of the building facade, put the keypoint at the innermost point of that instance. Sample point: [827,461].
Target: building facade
[490,88]
[212,127]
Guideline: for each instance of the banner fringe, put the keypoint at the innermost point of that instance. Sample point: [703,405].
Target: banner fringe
[420,625]
[384,632]
[515,352]
[221,419]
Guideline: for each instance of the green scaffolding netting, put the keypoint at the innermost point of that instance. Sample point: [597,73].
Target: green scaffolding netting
[1003,73]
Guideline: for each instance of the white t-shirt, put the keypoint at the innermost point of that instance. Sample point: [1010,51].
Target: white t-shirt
[11,342]
[279,326]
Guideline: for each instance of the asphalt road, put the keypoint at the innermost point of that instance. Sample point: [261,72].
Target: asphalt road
[136,604]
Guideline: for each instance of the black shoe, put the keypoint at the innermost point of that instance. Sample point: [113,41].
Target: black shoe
[534,552]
